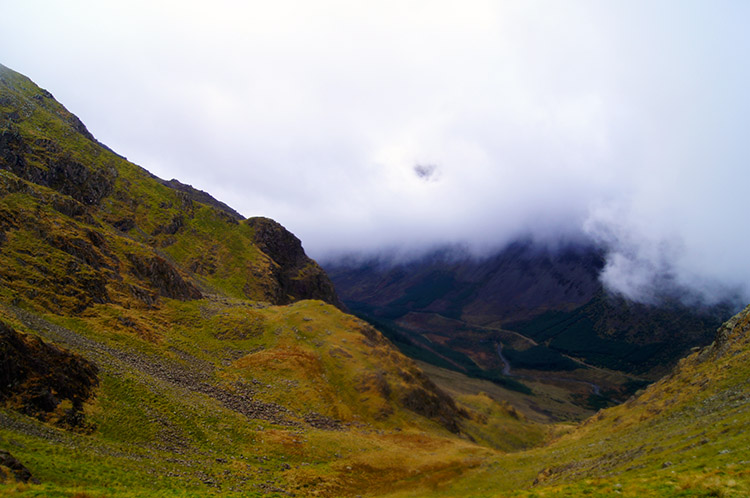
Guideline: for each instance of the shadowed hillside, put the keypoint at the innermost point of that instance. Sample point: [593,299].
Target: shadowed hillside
[544,308]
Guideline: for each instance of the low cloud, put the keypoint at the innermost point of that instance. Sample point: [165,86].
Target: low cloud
[407,126]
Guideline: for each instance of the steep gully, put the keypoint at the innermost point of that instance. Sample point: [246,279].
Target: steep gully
[595,389]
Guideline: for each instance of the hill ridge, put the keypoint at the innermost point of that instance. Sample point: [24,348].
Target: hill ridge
[44,144]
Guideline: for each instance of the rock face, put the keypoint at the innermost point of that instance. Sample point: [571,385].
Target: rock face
[59,172]
[44,381]
[19,472]
[733,335]
[299,276]
[200,196]
[164,277]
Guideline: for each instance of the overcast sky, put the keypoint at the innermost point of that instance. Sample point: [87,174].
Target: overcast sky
[379,124]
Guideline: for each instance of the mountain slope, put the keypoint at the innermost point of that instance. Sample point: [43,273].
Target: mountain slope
[544,308]
[517,283]
[114,228]
[234,395]
[686,435]
[180,349]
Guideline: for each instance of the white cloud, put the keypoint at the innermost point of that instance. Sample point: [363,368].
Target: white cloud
[625,121]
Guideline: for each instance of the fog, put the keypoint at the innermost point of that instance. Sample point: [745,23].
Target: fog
[402,126]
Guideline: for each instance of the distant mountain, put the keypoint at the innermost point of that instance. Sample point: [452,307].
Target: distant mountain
[517,283]
[545,307]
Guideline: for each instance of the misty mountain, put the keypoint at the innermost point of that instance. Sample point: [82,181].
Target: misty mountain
[546,306]
[142,313]
[518,283]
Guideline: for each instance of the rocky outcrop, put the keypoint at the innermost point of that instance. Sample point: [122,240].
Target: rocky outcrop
[733,335]
[163,277]
[60,172]
[299,277]
[76,180]
[278,243]
[12,150]
[200,196]
[170,228]
[92,251]
[15,468]
[428,400]
[43,381]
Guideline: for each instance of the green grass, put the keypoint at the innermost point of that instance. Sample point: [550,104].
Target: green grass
[145,424]
[168,414]
[685,436]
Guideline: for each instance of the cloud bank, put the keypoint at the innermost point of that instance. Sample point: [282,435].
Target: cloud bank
[368,126]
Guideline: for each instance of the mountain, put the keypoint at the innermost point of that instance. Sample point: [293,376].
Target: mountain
[175,343]
[518,283]
[544,307]
[155,343]
[113,233]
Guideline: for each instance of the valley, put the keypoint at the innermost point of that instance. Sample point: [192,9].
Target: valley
[153,342]
[542,308]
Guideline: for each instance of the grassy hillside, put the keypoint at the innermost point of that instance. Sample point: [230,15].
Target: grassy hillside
[153,343]
[110,232]
[685,435]
[198,412]
[210,352]
[235,395]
